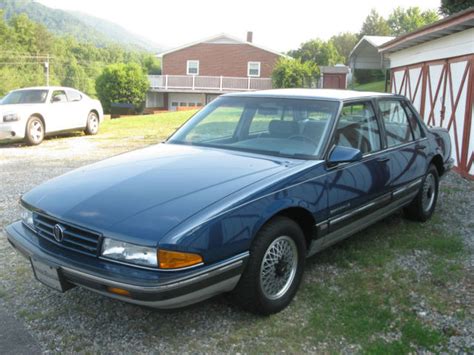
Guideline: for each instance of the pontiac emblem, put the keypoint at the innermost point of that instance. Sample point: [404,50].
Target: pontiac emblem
[58,232]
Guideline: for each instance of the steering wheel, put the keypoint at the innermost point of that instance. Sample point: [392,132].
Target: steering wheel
[300,137]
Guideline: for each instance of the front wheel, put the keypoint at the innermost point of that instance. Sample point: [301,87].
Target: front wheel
[423,206]
[92,127]
[34,133]
[275,268]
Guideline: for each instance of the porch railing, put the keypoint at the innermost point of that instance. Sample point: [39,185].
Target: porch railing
[212,83]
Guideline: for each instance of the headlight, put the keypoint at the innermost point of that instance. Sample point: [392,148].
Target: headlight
[10,117]
[27,217]
[129,253]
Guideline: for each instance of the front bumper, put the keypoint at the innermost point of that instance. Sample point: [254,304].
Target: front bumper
[12,130]
[158,289]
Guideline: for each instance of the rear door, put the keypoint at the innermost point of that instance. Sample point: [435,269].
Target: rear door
[404,142]
[356,189]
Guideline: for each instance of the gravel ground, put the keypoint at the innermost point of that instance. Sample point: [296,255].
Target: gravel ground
[81,321]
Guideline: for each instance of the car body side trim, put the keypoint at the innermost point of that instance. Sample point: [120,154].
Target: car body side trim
[356,226]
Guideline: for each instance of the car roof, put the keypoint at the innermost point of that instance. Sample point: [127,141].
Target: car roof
[328,94]
[46,88]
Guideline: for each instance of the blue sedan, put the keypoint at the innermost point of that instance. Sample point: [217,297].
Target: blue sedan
[235,200]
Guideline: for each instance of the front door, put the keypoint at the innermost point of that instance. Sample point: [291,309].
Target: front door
[358,188]
[405,145]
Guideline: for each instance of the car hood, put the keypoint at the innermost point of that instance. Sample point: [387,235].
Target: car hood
[4,109]
[145,193]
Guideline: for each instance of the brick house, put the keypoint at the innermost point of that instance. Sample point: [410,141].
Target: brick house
[196,73]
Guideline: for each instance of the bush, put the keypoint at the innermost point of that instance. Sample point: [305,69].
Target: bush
[292,73]
[364,76]
[122,83]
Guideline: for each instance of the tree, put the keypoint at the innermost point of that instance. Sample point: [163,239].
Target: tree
[293,73]
[449,7]
[318,52]
[375,25]
[344,43]
[122,83]
[402,21]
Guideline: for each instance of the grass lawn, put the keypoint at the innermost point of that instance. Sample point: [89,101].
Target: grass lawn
[377,86]
[147,129]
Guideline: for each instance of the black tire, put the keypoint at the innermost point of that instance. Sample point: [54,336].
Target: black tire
[423,206]
[34,131]
[250,294]
[92,127]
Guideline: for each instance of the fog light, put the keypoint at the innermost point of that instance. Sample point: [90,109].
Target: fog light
[174,259]
[119,291]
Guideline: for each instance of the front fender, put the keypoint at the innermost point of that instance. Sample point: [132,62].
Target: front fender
[232,232]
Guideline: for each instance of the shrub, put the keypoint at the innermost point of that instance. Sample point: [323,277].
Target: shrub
[122,83]
[292,73]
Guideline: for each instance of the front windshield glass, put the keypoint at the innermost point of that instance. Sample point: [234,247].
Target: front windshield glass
[25,97]
[274,126]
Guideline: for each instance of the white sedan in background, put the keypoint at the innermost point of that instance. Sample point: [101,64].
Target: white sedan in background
[33,113]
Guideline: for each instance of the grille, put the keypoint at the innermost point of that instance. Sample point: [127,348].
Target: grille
[75,239]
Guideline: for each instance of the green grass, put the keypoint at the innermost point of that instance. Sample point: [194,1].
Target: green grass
[150,128]
[377,86]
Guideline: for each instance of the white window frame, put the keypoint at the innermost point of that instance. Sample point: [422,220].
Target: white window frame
[187,66]
[248,69]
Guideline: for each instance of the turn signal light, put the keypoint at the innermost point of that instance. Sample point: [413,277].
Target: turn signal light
[118,291]
[174,259]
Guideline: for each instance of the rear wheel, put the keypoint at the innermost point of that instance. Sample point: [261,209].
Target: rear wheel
[275,268]
[92,127]
[423,206]
[34,133]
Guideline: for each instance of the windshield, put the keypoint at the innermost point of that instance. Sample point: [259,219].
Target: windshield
[25,97]
[274,126]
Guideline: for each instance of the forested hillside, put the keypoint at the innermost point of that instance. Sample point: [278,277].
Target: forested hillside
[25,46]
[84,28]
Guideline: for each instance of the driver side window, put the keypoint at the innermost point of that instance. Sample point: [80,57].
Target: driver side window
[358,128]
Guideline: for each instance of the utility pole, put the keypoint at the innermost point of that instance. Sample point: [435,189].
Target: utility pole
[46,69]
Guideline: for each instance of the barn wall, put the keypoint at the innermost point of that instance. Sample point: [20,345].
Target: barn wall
[443,93]
[457,44]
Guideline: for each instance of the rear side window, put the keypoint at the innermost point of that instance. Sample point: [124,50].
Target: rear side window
[397,126]
[74,96]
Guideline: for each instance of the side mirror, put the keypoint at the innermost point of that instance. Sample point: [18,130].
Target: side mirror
[341,154]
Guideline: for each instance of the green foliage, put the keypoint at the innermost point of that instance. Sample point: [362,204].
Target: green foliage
[122,83]
[364,76]
[402,20]
[293,73]
[82,27]
[449,7]
[318,52]
[344,43]
[375,25]
[399,22]
[24,45]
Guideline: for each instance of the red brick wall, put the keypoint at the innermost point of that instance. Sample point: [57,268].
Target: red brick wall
[220,59]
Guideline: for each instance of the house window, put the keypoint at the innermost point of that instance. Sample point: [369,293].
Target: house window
[192,67]
[253,69]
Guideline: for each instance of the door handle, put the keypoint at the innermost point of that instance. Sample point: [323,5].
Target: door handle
[383,160]
[420,146]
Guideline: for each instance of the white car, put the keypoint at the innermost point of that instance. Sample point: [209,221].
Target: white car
[33,113]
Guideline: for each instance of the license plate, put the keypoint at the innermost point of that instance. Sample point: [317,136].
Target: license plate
[48,275]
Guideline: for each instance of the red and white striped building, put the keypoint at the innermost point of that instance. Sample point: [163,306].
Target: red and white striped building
[434,67]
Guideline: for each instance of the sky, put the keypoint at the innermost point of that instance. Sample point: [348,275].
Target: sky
[277,24]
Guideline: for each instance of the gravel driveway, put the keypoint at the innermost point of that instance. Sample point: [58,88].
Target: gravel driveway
[81,321]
